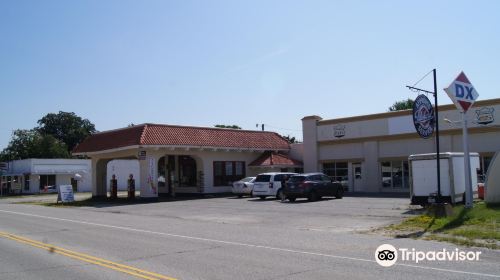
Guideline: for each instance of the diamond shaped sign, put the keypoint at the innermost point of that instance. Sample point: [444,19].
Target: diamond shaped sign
[462,93]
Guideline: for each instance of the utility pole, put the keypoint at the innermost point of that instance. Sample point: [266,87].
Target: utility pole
[436,122]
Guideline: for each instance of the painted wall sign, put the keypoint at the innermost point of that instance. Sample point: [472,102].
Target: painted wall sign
[339,131]
[462,93]
[485,115]
[151,174]
[423,116]
[142,155]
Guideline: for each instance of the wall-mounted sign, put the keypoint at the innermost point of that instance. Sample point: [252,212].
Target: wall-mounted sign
[423,116]
[339,131]
[485,115]
[462,93]
[142,155]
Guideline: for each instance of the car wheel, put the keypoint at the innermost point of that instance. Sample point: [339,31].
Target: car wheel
[262,197]
[292,199]
[240,196]
[313,196]
[340,193]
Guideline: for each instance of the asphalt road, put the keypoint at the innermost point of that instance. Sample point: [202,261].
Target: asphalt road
[218,238]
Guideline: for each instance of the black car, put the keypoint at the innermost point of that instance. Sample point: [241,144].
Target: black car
[312,186]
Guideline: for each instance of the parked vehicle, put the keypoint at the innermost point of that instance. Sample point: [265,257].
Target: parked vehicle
[269,184]
[312,186]
[243,186]
[49,189]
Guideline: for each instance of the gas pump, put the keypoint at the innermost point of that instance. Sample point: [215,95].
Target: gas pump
[131,187]
[113,187]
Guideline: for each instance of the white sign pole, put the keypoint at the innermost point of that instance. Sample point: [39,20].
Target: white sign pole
[463,94]
[468,180]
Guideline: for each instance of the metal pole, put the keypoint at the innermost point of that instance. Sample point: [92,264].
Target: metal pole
[468,179]
[436,121]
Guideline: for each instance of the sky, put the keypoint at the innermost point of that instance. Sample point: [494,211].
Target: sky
[211,62]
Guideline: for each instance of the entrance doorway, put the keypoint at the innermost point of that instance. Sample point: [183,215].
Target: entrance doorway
[357,174]
[166,174]
[176,171]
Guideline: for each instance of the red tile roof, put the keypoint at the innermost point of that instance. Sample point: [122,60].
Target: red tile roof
[275,159]
[189,136]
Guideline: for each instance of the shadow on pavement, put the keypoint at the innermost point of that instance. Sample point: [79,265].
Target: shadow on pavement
[377,195]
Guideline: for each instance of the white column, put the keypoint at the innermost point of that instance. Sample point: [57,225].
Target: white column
[468,180]
[310,138]
[149,175]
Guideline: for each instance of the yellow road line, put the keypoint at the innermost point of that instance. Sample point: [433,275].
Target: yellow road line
[87,258]
[53,247]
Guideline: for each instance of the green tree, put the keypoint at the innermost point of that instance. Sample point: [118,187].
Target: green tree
[66,127]
[33,144]
[20,145]
[402,105]
[47,146]
[227,126]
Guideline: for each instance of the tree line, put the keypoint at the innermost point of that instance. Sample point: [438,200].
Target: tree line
[55,137]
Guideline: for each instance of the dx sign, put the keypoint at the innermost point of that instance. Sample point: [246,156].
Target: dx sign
[463,91]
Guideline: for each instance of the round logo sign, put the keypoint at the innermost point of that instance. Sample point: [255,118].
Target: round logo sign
[386,255]
[423,116]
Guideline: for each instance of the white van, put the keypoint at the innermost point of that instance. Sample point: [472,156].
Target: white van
[269,184]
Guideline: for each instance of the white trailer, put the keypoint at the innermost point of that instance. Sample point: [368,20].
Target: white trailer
[423,177]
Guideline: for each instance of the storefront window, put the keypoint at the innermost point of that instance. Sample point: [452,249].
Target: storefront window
[162,168]
[187,170]
[406,174]
[336,170]
[26,182]
[386,174]
[47,181]
[218,171]
[395,174]
[484,163]
[227,172]
[239,168]
[229,168]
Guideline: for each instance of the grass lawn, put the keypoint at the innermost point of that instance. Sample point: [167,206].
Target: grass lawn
[479,226]
[84,202]
[76,203]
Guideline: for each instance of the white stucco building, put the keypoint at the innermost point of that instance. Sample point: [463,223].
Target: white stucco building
[186,159]
[35,175]
[370,153]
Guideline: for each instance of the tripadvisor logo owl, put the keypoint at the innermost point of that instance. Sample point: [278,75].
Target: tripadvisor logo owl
[386,255]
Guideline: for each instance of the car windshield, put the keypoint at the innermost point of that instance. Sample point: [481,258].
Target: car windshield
[263,178]
[247,179]
[294,179]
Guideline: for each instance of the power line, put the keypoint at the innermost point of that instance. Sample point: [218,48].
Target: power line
[423,78]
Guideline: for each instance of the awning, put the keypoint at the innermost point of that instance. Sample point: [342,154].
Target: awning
[273,159]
